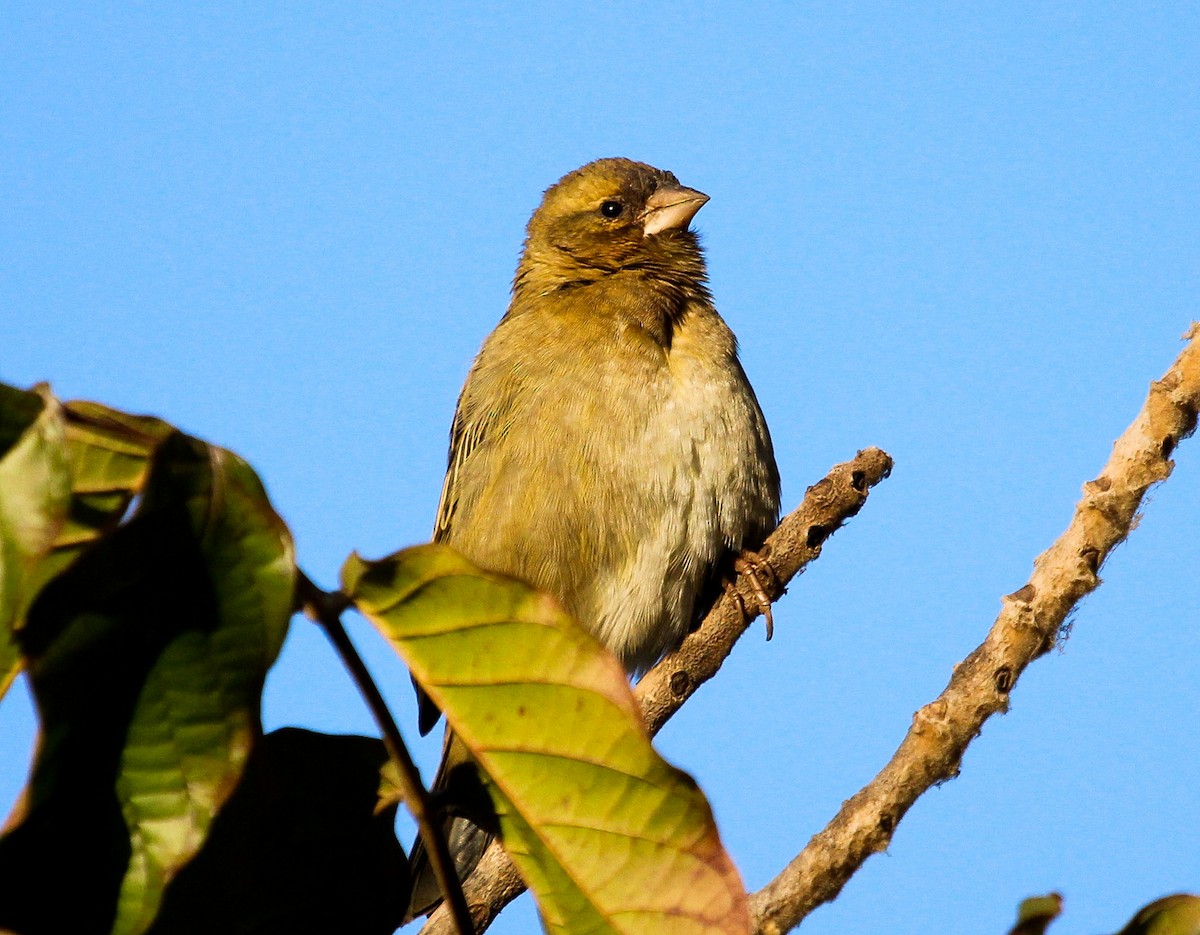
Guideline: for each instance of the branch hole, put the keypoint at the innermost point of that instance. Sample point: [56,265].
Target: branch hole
[816,535]
[1025,595]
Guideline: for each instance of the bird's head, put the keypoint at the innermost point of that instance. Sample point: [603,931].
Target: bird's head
[613,216]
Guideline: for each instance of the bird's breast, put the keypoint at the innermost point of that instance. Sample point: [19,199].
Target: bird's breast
[623,473]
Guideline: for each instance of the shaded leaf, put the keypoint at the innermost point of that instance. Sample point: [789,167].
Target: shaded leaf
[111,454]
[197,716]
[35,492]
[299,848]
[609,837]
[1172,915]
[67,476]
[18,410]
[1036,914]
[146,659]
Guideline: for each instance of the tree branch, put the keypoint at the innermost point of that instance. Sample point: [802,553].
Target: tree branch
[796,542]
[1030,621]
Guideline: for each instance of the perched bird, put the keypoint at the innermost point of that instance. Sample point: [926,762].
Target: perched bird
[607,446]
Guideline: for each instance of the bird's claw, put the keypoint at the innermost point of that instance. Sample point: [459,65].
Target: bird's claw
[751,565]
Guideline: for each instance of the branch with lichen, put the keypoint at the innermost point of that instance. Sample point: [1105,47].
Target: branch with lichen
[1031,620]
[797,540]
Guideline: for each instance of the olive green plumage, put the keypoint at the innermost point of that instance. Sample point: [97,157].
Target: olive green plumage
[607,446]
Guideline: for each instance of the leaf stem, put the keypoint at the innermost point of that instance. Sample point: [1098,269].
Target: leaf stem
[325,610]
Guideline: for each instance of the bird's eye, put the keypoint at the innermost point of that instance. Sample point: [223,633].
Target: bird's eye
[612,209]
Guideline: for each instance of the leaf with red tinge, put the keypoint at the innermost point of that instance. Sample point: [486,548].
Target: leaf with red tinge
[609,837]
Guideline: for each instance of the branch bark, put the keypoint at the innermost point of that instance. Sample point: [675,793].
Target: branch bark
[798,540]
[1030,622]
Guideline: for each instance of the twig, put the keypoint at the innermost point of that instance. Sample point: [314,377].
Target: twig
[325,609]
[796,542]
[1029,623]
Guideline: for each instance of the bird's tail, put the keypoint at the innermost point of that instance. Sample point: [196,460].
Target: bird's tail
[468,826]
[467,843]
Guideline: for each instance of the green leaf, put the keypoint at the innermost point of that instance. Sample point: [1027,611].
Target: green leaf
[111,454]
[35,494]
[1036,914]
[147,658]
[299,849]
[609,837]
[1172,915]
[67,475]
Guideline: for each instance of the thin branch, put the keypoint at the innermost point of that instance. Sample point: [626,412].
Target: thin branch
[1030,621]
[796,542]
[325,610]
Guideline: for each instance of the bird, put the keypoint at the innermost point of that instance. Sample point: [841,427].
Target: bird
[607,446]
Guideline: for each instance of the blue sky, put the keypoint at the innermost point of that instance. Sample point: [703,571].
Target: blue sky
[967,234]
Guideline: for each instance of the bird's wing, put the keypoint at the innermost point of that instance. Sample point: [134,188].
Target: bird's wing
[468,430]
[470,426]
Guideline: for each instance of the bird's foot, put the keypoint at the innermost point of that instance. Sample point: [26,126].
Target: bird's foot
[755,568]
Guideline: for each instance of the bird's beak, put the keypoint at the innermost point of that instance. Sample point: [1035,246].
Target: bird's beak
[671,207]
